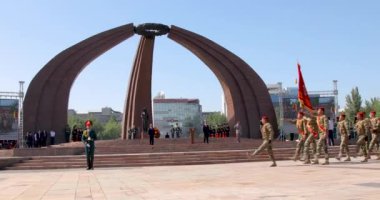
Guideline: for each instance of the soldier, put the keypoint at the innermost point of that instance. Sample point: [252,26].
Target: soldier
[88,138]
[375,130]
[267,135]
[302,131]
[312,129]
[323,132]
[367,124]
[361,131]
[343,131]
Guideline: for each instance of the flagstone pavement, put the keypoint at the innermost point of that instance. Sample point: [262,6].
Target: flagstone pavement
[255,180]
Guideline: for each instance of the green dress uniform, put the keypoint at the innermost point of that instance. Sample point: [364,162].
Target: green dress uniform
[267,135]
[361,143]
[302,131]
[88,138]
[322,130]
[312,129]
[343,131]
[375,128]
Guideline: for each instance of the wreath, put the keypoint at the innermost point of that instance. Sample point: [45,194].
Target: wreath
[156,133]
[152,29]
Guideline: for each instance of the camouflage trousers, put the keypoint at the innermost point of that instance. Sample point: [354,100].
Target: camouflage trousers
[374,141]
[344,146]
[322,144]
[300,147]
[268,146]
[309,143]
[362,144]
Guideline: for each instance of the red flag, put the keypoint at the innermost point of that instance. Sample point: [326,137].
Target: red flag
[303,96]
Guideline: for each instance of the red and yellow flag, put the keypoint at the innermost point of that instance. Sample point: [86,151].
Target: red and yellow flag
[303,96]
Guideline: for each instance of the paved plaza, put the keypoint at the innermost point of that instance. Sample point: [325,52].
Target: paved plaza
[255,180]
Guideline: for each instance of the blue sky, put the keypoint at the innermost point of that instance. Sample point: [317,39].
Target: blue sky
[331,39]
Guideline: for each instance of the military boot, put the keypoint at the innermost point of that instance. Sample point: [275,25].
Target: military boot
[326,162]
[348,159]
[273,164]
[251,155]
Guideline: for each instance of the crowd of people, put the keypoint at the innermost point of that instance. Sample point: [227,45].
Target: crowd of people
[39,138]
[218,131]
[76,134]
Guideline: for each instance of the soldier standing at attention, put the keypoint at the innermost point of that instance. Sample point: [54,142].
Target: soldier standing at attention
[312,129]
[267,135]
[375,128]
[302,131]
[88,138]
[343,131]
[323,132]
[361,131]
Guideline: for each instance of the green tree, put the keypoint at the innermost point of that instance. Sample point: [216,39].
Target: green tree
[372,105]
[215,119]
[75,121]
[353,104]
[112,130]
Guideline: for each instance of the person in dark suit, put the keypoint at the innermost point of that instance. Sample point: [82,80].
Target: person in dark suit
[206,133]
[151,134]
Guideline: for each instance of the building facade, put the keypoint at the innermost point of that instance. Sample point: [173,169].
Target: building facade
[102,117]
[187,113]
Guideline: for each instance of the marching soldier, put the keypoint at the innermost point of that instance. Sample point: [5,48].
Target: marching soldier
[267,135]
[343,131]
[375,129]
[361,131]
[312,129]
[88,138]
[367,124]
[323,132]
[302,131]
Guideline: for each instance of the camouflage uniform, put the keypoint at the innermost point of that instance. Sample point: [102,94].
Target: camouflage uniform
[375,128]
[343,131]
[267,135]
[302,130]
[322,129]
[312,129]
[361,143]
[367,124]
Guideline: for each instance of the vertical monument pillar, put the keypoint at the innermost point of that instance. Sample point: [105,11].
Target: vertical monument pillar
[139,94]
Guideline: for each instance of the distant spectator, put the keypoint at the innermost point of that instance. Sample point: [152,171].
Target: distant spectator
[167,135]
[52,137]
[44,138]
[74,134]
[67,133]
[206,133]
[80,133]
[151,134]
[237,131]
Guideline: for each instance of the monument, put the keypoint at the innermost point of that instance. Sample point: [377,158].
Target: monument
[47,97]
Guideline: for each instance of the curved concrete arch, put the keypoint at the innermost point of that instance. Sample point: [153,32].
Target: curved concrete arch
[46,101]
[246,95]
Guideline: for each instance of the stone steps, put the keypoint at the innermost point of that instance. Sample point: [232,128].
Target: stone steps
[155,159]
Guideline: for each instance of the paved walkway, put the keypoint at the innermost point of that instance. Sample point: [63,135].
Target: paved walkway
[289,180]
